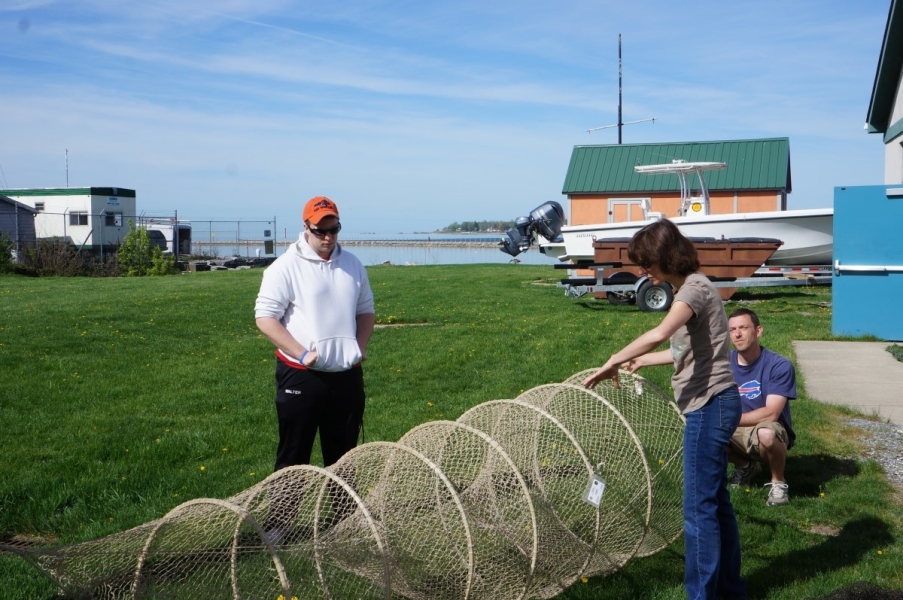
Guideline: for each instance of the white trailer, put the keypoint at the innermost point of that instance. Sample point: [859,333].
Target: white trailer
[92,218]
[177,233]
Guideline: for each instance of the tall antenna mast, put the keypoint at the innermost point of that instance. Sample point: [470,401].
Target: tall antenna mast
[620,87]
[67,167]
[621,123]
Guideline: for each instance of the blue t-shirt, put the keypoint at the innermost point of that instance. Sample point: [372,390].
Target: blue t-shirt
[769,374]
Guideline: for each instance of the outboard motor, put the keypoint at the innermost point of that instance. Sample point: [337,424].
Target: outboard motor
[545,220]
[548,219]
[517,239]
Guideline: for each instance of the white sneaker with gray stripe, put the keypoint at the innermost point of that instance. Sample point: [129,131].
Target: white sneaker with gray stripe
[778,493]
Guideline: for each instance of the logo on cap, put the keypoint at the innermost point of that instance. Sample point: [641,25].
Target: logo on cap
[319,207]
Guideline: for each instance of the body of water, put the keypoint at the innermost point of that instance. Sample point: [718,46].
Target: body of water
[424,249]
[440,255]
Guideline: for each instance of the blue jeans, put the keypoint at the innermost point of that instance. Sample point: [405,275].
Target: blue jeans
[711,536]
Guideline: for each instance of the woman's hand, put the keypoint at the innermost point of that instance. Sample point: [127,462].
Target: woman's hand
[608,371]
[634,364]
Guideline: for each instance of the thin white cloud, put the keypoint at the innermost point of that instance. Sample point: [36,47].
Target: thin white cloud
[24,5]
[433,107]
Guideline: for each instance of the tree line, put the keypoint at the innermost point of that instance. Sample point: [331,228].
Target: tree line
[478,226]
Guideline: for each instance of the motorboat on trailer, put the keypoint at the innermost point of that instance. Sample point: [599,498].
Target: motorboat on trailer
[807,235]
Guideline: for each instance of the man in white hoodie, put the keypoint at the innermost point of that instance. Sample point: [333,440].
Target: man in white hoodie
[315,305]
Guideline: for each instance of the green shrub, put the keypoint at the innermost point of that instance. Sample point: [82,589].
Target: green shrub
[54,257]
[161,264]
[6,253]
[896,351]
[137,257]
[134,254]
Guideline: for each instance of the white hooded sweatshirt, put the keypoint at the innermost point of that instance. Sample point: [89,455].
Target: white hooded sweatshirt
[317,301]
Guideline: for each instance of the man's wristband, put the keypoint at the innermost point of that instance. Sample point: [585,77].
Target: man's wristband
[301,358]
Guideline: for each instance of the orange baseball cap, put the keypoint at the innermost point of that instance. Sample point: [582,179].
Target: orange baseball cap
[319,207]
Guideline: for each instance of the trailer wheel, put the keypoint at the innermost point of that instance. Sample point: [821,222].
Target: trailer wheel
[621,298]
[654,298]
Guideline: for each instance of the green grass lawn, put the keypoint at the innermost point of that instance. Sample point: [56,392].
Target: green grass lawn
[122,398]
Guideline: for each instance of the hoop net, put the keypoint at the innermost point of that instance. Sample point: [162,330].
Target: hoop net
[491,506]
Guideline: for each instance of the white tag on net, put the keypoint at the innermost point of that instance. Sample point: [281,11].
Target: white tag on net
[594,491]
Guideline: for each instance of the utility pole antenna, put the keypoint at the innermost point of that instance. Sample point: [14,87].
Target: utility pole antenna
[621,123]
[67,167]
[620,87]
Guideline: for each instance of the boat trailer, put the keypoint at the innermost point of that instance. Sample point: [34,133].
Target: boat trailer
[625,288]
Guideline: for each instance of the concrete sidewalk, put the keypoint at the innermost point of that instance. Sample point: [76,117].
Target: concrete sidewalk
[862,375]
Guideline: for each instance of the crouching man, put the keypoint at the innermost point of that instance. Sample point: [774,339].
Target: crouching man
[767,383]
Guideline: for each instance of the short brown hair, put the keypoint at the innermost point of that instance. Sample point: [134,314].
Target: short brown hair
[662,243]
[745,311]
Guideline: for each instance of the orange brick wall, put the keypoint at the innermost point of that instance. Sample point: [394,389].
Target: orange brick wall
[759,202]
[588,209]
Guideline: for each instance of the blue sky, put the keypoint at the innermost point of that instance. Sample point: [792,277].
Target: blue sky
[412,115]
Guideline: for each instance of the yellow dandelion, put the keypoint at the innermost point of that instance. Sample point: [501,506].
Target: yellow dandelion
[880,552]
[584,579]
[203,468]
[429,403]
[821,494]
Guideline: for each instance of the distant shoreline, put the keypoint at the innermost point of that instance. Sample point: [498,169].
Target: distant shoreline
[438,243]
[457,243]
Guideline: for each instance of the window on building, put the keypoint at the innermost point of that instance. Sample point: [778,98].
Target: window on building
[78,218]
[114,219]
[39,206]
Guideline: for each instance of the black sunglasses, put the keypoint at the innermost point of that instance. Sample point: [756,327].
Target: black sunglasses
[324,232]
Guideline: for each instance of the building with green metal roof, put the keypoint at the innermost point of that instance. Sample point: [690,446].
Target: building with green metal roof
[603,187]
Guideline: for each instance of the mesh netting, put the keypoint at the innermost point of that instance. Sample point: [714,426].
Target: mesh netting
[658,424]
[492,506]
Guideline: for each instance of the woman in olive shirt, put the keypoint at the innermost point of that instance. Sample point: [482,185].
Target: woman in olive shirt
[706,395]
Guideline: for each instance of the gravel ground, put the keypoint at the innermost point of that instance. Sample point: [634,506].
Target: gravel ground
[884,444]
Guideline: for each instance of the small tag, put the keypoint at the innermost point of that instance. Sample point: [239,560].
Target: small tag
[594,491]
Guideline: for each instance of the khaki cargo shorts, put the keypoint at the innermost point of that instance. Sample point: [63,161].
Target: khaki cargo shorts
[745,440]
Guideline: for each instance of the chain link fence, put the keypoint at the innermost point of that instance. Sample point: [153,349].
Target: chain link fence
[220,239]
[103,233]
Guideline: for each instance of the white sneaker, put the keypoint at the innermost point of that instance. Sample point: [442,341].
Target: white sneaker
[778,494]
